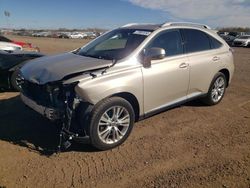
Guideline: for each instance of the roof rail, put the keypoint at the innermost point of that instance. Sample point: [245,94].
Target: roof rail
[185,24]
[132,24]
[129,24]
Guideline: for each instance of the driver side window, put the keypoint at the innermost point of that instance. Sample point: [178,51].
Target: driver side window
[170,41]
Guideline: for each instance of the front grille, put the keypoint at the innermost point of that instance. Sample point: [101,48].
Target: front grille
[36,92]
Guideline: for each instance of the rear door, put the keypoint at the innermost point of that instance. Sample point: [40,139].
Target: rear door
[204,59]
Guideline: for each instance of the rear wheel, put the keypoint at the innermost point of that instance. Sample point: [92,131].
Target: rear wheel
[111,123]
[216,90]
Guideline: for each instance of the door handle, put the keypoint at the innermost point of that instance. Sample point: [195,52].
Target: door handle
[183,65]
[215,58]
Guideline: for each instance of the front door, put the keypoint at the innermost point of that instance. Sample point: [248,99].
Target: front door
[166,81]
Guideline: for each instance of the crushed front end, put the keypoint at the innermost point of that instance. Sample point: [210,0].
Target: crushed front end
[45,99]
[57,102]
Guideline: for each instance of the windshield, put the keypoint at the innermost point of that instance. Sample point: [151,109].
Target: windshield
[4,39]
[244,37]
[115,45]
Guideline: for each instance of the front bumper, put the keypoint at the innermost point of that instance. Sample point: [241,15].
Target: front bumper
[50,113]
[65,135]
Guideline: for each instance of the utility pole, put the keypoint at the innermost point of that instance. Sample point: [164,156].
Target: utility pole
[7,16]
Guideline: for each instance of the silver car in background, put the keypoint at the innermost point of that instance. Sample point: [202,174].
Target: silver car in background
[130,73]
[242,41]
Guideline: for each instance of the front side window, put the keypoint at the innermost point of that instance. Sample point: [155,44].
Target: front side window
[115,45]
[195,40]
[170,41]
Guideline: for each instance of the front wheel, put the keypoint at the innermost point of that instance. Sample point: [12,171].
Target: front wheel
[15,80]
[216,90]
[111,123]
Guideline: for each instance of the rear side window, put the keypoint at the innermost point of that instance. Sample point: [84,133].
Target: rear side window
[195,40]
[170,41]
[214,43]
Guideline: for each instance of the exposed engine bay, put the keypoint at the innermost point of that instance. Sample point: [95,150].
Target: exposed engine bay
[44,90]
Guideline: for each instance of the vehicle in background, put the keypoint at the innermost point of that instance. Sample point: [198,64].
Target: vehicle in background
[228,38]
[10,63]
[10,47]
[25,45]
[236,34]
[63,35]
[90,35]
[24,33]
[42,34]
[77,35]
[222,33]
[243,41]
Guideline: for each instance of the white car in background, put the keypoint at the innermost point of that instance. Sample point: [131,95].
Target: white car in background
[242,41]
[77,36]
[10,47]
[90,35]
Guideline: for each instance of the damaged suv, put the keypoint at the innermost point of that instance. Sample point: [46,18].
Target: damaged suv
[100,90]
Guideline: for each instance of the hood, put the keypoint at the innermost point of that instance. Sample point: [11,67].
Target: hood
[53,68]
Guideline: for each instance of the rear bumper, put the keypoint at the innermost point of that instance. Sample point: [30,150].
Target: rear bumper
[50,113]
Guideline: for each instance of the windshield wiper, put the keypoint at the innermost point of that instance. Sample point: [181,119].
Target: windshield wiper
[106,57]
[87,55]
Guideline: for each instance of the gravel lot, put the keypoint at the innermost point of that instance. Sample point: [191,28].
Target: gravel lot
[189,146]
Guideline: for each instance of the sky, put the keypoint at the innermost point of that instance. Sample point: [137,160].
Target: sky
[108,14]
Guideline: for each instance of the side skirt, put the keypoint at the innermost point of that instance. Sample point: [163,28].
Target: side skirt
[171,106]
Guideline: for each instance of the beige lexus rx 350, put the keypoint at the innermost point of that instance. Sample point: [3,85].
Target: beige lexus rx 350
[98,91]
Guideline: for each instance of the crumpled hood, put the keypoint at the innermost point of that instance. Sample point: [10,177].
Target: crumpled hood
[53,68]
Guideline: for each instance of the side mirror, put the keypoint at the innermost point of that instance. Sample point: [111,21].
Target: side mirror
[152,54]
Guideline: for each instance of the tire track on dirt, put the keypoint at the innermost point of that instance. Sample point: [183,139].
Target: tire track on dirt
[80,172]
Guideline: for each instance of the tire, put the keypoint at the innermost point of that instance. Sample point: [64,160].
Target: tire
[13,80]
[216,90]
[107,130]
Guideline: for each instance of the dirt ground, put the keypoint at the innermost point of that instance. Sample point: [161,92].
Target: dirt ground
[189,146]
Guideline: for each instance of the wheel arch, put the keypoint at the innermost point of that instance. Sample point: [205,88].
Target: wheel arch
[132,100]
[227,75]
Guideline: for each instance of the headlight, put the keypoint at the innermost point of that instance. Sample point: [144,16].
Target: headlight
[17,48]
